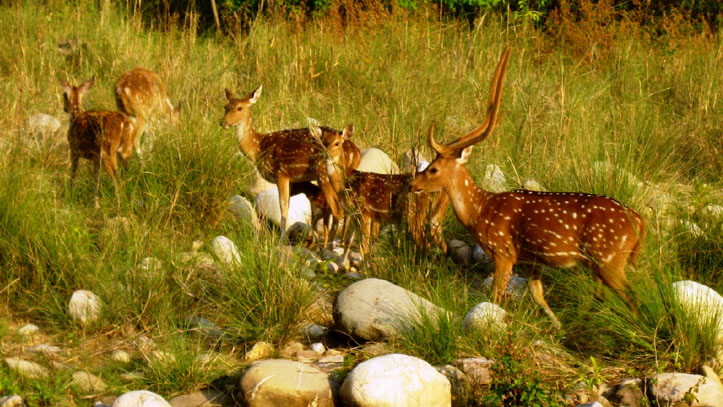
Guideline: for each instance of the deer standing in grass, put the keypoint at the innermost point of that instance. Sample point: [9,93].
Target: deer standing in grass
[287,156]
[141,93]
[372,199]
[557,229]
[97,135]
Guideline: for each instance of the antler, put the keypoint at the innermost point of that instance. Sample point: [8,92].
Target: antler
[490,122]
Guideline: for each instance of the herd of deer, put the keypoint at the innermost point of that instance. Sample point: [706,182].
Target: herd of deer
[535,228]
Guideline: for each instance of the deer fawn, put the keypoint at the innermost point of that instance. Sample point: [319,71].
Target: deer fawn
[373,198]
[557,229]
[141,93]
[97,135]
[287,156]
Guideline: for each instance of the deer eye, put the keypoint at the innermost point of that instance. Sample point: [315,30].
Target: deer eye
[240,108]
[336,144]
[433,171]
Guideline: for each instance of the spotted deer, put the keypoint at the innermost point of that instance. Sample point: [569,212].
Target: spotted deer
[557,229]
[287,156]
[97,135]
[141,93]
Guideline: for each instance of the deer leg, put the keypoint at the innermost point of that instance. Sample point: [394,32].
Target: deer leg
[366,226]
[282,182]
[503,271]
[74,158]
[538,296]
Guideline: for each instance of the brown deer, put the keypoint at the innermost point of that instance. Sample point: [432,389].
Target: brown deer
[141,93]
[373,199]
[97,135]
[288,156]
[557,229]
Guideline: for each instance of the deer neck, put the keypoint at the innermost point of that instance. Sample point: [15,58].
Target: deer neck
[249,140]
[468,200]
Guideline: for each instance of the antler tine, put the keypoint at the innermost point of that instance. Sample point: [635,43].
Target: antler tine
[439,148]
[483,131]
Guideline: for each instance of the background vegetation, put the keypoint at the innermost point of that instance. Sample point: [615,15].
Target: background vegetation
[590,85]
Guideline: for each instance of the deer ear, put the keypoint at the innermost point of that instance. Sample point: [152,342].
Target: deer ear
[86,85]
[256,95]
[229,94]
[66,87]
[464,155]
[348,131]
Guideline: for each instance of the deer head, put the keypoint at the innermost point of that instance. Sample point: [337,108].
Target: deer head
[451,157]
[73,96]
[238,111]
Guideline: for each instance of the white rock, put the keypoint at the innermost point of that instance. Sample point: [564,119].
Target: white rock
[396,380]
[460,250]
[703,303]
[225,250]
[44,348]
[485,316]
[330,360]
[27,369]
[317,347]
[255,183]
[332,267]
[670,389]
[130,376]
[281,382]
[377,161]
[120,356]
[610,172]
[374,309]
[516,286]
[87,382]
[140,398]
[531,184]
[41,124]
[494,179]
[11,401]
[267,203]
[28,330]
[84,307]
[244,211]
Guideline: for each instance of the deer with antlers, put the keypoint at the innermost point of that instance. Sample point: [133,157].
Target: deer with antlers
[288,156]
[557,229]
[97,135]
[141,93]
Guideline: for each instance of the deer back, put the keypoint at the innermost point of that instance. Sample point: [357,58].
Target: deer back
[141,93]
[559,229]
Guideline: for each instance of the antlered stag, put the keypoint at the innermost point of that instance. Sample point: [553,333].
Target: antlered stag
[558,229]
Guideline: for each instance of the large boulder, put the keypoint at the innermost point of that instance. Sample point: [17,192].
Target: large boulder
[396,380]
[672,388]
[140,398]
[375,309]
[267,203]
[703,302]
[285,383]
[376,160]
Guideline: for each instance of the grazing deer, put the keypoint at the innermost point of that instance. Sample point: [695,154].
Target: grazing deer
[374,199]
[557,229]
[141,93]
[97,135]
[288,156]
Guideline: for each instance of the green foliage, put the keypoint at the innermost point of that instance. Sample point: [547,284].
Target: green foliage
[433,338]
[515,384]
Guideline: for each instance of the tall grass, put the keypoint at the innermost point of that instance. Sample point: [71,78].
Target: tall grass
[650,110]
